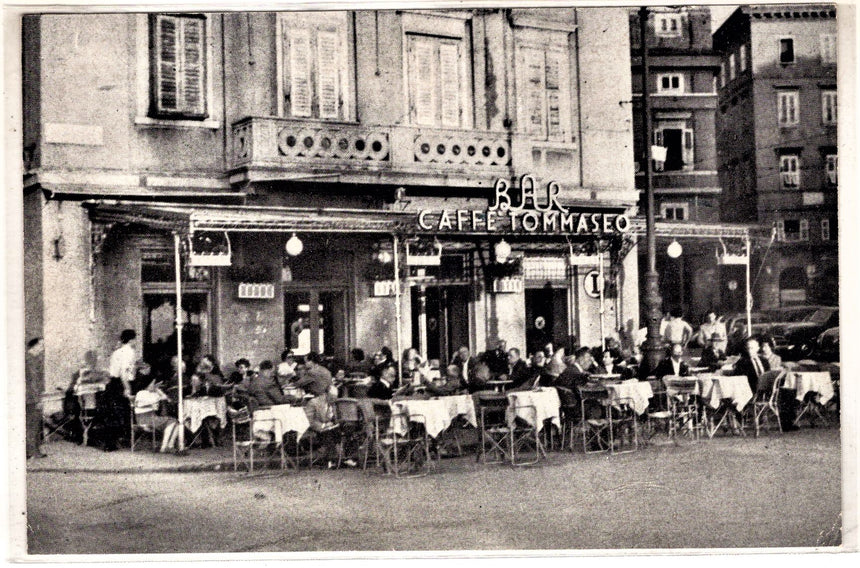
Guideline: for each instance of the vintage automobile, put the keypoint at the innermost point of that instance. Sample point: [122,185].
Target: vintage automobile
[794,331]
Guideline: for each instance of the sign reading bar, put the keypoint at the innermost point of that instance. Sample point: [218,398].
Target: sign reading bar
[536,211]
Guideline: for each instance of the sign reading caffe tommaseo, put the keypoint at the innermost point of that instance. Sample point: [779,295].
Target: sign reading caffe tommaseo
[527,209]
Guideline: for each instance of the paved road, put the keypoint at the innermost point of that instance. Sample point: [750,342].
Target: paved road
[731,492]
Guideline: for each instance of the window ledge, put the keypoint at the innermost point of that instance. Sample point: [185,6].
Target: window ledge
[150,122]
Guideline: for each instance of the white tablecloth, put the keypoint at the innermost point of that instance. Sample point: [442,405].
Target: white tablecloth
[805,382]
[735,388]
[639,392]
[86,393]
[198,408]
[460,405]
[286,419]
[545,401]
[433,413]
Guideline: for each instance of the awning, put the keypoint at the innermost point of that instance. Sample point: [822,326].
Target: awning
[186,219]
[694,230]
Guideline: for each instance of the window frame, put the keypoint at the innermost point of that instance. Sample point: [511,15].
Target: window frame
[783,96]
[779,50]
[732,65]
[742,58]
[548,43]
[826,103]
[671,90]
[831,169]
[786,173]
[454,27]
[675,206]
[802,231]
[337,22]
[828,48]
[661,18]
[155,109]
[688,144]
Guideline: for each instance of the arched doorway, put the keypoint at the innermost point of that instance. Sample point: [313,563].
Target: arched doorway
[792,286]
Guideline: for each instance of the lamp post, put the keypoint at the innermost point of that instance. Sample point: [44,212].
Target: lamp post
[653,302]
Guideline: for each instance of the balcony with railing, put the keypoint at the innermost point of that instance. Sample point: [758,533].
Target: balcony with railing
[280,149]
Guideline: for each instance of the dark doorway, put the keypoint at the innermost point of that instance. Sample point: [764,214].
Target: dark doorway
[673,141]
[159,329]
[546,317]
[315,320]
[446,310]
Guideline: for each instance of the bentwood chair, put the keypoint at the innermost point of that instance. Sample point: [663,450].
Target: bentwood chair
[765,405]
[596,428]
[658,416]
[351,421]
[524,435]
[623,426]
[570,417]
[140,426]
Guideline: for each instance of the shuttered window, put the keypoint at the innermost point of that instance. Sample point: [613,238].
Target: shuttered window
[315,65]
[543,100]
[787,108]
[178,66]
[436,80]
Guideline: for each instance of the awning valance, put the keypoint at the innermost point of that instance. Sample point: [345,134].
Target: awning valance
[186,219]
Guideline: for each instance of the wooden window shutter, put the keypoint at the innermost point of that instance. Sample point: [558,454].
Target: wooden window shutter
[534,65]
[178,65]
[423,76]
[328,58]
[449,82]
[689,149]
[300,72]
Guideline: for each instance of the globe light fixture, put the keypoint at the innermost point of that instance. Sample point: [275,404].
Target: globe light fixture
[384,257]
[674,250]
[502,251]
[294,246]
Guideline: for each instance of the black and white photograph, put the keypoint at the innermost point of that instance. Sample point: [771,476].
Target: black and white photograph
[428,279]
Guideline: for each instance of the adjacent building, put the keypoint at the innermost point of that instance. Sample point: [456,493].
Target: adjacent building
[682,72]
[777,144]
[295,162]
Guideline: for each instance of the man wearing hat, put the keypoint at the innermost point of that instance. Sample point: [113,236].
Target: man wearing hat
[711,356]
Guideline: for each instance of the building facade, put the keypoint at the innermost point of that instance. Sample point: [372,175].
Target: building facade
[296,162]
[776,132]
[682,72]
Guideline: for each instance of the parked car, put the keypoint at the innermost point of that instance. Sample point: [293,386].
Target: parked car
[736,329]
[795,330]
[827,345]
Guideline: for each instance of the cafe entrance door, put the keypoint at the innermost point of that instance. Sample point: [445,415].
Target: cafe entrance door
[546,317]
[440,320]
[315,320]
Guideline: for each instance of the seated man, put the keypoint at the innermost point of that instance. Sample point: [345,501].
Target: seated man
[321,417]
[315,379]
[448,385]
[518,372]
[577,371]
[478,380]
[287,367]
[712,357]
[610,366]
[381,387]
[146,413]
[262,389]
[672,365]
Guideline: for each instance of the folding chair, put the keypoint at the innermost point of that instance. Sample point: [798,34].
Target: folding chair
[88,404]
[351,421]
[401,455]
[596,430]
[658,413]
[570,418]
[623,426]
[496,435]
[683,407]
[248,445]
[524,434]
[140,427]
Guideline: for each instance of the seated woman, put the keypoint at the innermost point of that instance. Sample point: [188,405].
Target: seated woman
[146,413]
[609,366]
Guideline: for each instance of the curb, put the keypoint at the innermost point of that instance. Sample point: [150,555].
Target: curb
[180,468]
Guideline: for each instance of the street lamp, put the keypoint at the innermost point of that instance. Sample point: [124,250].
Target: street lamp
[674,249]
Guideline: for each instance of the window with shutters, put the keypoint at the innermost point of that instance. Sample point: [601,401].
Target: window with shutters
[732,68]
[742,58]
[828,48]
[543,85]
[678,140]
[789,171]
[831,168]
[787,108]
[437,81]
[670,83]
[178,80]
[315,62]
[828,107]
[792,230]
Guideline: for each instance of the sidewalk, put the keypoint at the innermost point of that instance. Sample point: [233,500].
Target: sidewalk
[64,456]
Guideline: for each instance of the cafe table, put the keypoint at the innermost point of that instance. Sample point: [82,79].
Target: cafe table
[545,402]
[638,392]
[727,393]
[280,419]
[436,414]
[498,385]
[819,383]
[197,409]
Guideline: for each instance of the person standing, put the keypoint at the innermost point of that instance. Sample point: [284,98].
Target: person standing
[677,330]
[714,329]
[123,360]
[113,407]
[34,366]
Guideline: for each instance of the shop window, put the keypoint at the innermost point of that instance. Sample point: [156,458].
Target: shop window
[675,211]
[831,168]
[787,107]
[742,58]
[828,48]
[177,66]
[786,50]
[828,107]
[789,171]
[667,25]
[315,65]
[670,83]
[543,85]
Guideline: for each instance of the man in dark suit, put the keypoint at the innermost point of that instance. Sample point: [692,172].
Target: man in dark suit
[467,363]
[576,373]
[497,359]
[751,364]
[382,386]
[673,365]
[517,372]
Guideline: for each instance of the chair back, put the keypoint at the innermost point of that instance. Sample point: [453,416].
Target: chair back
[566,397]
[680,385]
[593,392]
[347,410]
[492,407]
